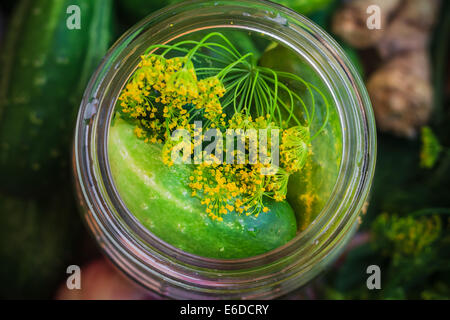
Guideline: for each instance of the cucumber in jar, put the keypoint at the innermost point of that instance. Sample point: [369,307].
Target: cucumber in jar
[159,197]
[310,188]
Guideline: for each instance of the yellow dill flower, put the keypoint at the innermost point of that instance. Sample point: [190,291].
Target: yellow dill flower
[294,148]
[211,90]
[183,82]
[139,132]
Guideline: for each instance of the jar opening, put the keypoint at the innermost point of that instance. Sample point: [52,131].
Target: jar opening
[346,171]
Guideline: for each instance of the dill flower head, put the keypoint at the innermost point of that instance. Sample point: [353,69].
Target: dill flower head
[279,184]
[183,82]
[240,187]
[225,188]
[210,91]
[294,148]
[241,121]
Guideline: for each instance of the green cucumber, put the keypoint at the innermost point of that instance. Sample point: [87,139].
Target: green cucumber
[159,197]
[134,10]
[44,67]
[305,6]
[310,189]
[38,239]
[137,9]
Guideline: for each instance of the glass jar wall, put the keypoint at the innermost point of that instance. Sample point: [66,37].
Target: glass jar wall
[172,272]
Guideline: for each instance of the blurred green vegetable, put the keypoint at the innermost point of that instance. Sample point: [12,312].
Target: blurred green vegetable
[37,242]
[43,75]
[305,6]
[134,10]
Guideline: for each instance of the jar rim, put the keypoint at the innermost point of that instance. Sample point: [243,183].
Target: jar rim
[187,272]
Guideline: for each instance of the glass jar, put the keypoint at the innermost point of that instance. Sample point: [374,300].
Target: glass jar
[168,271]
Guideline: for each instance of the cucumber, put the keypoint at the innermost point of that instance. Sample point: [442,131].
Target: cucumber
[159,197]
[44,68]
[134,10]
[137,9]
[310,188]
[38,239]
[305,6]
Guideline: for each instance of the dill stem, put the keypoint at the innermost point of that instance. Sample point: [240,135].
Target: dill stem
[327,114]
[172,47]
[210,35]
[236,92]
[252,92]
[290,110]
[223,73]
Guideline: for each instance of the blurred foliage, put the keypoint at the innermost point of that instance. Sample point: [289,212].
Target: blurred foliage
[305,7]
[412,251]
[431,148]
[410,241]
[133,10]
[404,236]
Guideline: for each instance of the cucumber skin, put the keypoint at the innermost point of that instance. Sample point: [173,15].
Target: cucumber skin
[310,188]
[44,67]
[146,185]
[305,6]
[138,9]
[39,240]
[135,10]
